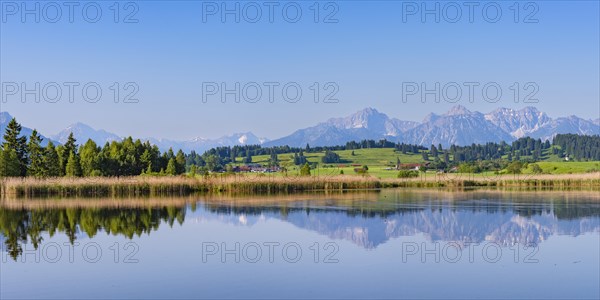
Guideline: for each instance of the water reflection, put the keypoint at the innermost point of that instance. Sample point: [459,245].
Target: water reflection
[368,219]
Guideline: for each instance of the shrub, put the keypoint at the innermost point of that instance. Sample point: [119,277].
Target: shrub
[408,174]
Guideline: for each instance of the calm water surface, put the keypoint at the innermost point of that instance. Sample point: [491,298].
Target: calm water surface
[388,244]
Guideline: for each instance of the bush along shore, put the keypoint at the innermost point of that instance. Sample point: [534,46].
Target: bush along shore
[180,186]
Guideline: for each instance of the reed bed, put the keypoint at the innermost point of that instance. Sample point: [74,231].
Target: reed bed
[148,186]
[175,186]
[584,180]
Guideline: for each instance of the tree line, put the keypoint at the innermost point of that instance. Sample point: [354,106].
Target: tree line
[580,147]
[20,227]
[22,156]
[25,156]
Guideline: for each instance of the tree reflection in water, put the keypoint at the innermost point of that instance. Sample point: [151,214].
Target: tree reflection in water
[472,216]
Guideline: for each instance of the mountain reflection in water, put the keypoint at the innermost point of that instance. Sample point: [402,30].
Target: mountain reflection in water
[367,219]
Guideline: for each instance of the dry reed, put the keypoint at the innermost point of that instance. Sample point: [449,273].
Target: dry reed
[268,184]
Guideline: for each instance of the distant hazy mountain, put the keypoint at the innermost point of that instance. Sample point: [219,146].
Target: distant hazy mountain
[242,138]
[531,122]
[457,126]
[25,131]
[373,122]
[570,124]
[518,123]
[461,223]
[83,132]
[201,144]
[364,124]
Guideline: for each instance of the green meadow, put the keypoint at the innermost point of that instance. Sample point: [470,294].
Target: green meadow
[380,160]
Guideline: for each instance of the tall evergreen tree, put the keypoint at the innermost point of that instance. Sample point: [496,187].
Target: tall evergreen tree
[51,160]
[180,162]
[171,167]
[37,167]
[9,163]
[434,151]
[248,158]
[73,168]
[65,152]
[146,160]
[14,142]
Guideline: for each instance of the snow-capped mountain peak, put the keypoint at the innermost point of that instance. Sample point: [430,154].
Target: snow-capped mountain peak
[458,126]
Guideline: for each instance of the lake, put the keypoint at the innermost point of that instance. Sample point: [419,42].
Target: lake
[394,243]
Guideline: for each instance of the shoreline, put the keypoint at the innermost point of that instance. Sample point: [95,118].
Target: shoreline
[140,186]
[322,198]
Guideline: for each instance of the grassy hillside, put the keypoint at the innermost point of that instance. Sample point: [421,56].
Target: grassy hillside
[571,167]
[379,159]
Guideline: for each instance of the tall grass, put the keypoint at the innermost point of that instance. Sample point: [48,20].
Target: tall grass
[168,186]
[587,180]
[264,184]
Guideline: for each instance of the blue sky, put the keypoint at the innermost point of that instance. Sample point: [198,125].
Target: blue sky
[368,54]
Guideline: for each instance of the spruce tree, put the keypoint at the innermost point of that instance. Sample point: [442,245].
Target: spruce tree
[14,142]
[180,162]
[434,151]
[73,168]
[9,163]
[37,167]
[171,167]
[248,158]
[51,160]
[68,148]
[146,160]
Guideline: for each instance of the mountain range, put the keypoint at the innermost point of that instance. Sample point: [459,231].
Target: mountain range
[461,222]
[457,126]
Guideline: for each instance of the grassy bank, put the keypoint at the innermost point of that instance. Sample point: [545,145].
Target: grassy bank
[163,186]
[264,184]
[563,181]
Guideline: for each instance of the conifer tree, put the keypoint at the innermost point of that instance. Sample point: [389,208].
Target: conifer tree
[51,160]
[180,162]
[37,167]
[73,168]
[171,167]
[65,152]
[14,142]
[9,163]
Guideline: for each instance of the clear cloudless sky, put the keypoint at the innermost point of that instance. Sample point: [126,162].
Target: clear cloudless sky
[368,54]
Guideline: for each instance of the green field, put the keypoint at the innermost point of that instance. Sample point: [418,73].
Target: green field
[570,167]
[378,159]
